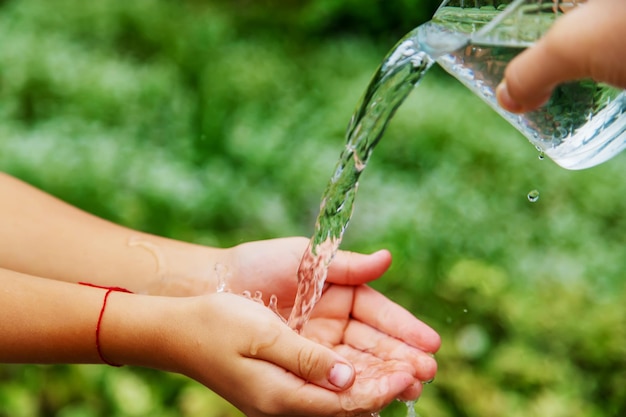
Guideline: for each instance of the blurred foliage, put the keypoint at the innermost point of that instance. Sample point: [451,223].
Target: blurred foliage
[220,122]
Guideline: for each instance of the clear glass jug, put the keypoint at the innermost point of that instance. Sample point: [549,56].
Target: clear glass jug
[581,126]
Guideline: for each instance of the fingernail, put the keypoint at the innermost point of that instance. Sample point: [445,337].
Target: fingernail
[505,100]
[341,375]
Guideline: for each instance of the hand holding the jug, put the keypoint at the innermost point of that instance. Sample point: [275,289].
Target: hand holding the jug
[587,42]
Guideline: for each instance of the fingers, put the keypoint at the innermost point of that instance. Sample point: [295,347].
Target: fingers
[258,363]
[587,42]
[351,268]
[527,85]
[308,360]
[386,379]
[373,389]
[419,364]
[378,312]
[376,384]
[412,393]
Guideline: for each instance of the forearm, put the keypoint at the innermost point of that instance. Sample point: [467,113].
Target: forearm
[46,321]
[43,236]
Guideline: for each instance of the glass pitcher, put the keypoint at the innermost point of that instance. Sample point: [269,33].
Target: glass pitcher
[582,125]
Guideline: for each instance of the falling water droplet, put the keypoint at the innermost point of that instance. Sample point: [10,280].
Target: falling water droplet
[542,154]
[533,196]
[410,409]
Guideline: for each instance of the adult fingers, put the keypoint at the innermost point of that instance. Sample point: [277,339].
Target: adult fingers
[585,43]
[412,393]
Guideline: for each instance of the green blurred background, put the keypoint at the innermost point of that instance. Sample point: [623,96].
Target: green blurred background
[220,122]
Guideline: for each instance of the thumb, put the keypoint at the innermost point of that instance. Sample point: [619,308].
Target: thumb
[586,42]
[352,268]
[308,360]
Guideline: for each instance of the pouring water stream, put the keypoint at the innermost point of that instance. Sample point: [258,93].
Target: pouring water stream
[400,72]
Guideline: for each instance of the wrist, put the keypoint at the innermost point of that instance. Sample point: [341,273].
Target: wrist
[134,329]
[181,269]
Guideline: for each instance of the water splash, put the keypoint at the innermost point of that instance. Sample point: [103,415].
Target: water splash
[223,275]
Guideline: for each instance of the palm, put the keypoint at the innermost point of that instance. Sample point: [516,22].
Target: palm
[380,360]
[387,345]
[268,268]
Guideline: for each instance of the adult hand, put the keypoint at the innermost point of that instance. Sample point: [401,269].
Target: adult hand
[587,42]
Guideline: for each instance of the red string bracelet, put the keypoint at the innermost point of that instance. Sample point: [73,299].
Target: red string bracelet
[104,304]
